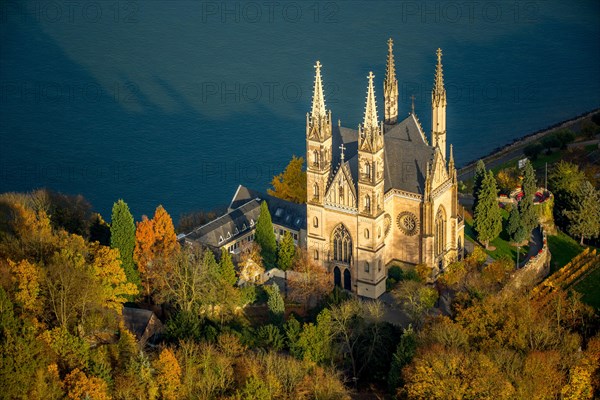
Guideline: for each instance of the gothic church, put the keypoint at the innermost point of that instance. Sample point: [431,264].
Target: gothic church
[384,193]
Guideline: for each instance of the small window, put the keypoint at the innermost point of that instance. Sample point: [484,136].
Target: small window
[366,233]
[295,236]
[316,222]
[378,232]
[278,212]
[379,266]
[316,254]
[367,267]
[281,231]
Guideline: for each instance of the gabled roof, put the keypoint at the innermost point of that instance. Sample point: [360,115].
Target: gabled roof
[226,228]
[284,213]
[406,154]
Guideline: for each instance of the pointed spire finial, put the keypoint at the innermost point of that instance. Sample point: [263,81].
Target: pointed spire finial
[412,98]
[439,75]
[318,103]
[370,120]
[390,75]
[451,154]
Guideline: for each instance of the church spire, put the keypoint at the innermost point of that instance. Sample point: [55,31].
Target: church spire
[370,120]
[438,108]
[390,88]
[438,87]
[318,103]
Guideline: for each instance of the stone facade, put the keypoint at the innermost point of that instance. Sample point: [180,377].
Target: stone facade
[381,193]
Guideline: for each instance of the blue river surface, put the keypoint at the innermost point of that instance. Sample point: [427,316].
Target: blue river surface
[176,102]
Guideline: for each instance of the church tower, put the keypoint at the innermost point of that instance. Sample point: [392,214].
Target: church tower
[318,143]
[390,88]
[370,271]
[438,108]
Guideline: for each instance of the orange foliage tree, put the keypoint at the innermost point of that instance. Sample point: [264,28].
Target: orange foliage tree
[155,244]
[80,387]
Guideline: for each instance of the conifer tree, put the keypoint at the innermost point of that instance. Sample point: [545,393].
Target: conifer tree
[164,234]
[488,219]
[275,303]
[477,180]
[286,253]
[122,237]
[515,229]
[226,268]
[528,214]
[265,237]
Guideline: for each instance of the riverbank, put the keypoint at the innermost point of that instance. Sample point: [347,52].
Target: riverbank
[514,150]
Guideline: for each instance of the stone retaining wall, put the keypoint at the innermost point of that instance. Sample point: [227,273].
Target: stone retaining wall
[533,272]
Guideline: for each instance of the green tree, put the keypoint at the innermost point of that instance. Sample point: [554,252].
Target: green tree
[122,237]
[404,354]
[265,237]
[515,229]
[226,268]
[287,250]
[291,183]
[564,182]
[478,177]
[528,214]
[275,303]
[292,330]
[584,219]
[488,219]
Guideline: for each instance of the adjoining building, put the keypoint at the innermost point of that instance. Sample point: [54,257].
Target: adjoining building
[233,230]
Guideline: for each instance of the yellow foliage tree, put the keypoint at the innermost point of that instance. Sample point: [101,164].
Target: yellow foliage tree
[109,272]
[143,252]
[168,374]
[291,183]
[27,278]
[80,387]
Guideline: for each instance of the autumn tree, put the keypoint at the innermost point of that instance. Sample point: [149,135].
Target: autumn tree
[507,180]
[584,219]
[488,219]
[122,237]
[286,252]
[416,298]
[291,183]
[168,374]
[156,243]
[143,252]
[27,278]
[265,237]
[309,282]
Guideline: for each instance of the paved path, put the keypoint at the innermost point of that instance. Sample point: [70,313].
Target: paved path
[536,243]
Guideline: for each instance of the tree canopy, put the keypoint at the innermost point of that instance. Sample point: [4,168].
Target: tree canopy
[291,183]
[488,219]
[265,237]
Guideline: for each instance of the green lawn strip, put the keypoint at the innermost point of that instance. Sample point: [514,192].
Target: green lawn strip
[588,287]
[563,248]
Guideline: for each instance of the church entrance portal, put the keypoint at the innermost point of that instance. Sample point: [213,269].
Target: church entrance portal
[337,277]
[347,280]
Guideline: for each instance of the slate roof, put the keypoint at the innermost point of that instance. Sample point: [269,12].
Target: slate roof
[226,228]
[284,213]
[406,154]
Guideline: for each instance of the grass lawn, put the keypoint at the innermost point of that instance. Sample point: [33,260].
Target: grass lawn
[589,288]
[501,243]
[563,248]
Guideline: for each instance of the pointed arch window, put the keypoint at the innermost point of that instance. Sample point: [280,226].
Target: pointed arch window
[316,191]
[367,170]
[316,222]
[367,266]
[341,193]
[368,203]
[440,232]
[315,157]
[342,244]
